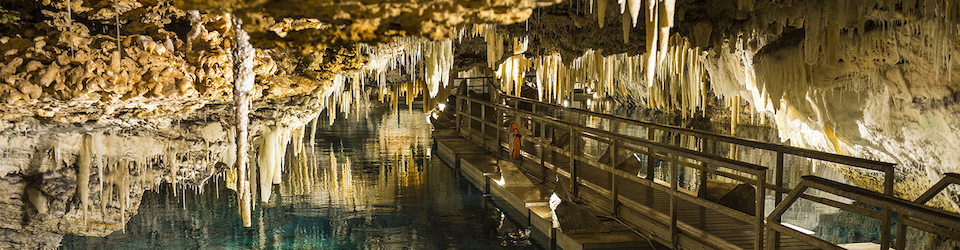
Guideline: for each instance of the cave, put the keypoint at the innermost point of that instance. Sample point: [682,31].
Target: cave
[314,124]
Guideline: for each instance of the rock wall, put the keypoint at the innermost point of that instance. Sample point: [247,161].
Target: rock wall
[871,79]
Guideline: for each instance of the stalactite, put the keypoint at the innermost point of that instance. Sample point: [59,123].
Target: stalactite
[438,62]
[124,191]
[243,62]
[601,11]
[267,161]
[511,73]
[625,28]
[634,7]
[408,53]
[652,29]
[84,162]
[494,45]
[70,26]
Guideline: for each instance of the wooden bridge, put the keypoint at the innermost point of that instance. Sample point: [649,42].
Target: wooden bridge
[656,179]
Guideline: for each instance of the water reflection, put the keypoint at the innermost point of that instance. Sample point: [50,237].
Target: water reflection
[367,182]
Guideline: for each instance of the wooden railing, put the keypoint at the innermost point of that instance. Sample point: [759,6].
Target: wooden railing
[539,116]
[778,186]
[669,154]
[780,150]
[912,214]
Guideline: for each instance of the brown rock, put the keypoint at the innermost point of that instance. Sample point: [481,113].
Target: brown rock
[45,113]
[49,75]
[13,96]
[12,66]
[33,66]
[60,184]
[12,186]
[30,90]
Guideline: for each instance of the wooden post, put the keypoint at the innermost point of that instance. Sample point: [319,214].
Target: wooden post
[651,167]
[902,232]
[469,105]
[483,126]
[759,210]
[459,101]
[674,184]
[885,229]
[775,216]
[703,174]
[500,113]
[703,182]
[614,189]
[573,162]
[543,167]
[887,222]
[777,194]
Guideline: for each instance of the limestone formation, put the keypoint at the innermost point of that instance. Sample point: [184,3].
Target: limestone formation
[81,79]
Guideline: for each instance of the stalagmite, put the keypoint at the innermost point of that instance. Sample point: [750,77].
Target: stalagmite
[745,4]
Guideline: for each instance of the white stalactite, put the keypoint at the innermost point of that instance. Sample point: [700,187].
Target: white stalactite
[242,88]
[634,6]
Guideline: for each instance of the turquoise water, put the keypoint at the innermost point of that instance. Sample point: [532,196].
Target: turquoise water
[368,183]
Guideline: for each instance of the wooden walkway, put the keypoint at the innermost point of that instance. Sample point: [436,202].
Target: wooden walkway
[527,202]
[644,205]
[643,189]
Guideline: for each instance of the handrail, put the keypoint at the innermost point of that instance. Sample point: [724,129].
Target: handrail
[728,163]
[578,132]
[781,150]
[843,159]
[885,167]
[920,216]
[948,179]
[668,152]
